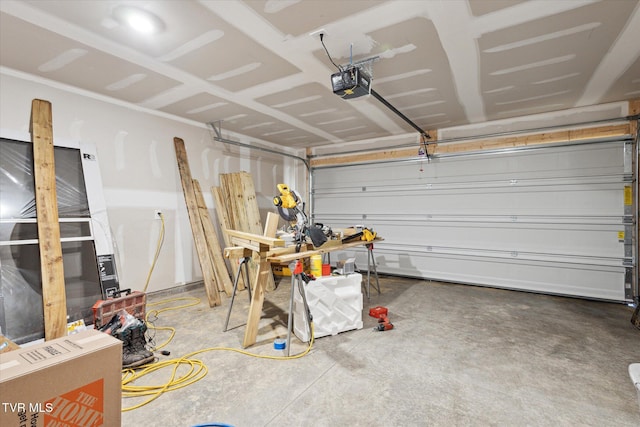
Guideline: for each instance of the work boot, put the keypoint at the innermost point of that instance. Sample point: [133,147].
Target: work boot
[139,340]
[132,356]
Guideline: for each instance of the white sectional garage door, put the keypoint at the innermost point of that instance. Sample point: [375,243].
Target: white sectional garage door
[552,220]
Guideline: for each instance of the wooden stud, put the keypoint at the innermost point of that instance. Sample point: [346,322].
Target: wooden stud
[202,207]
[225,223]
[229,197]
[286,258]
[253,220]
[237,251]
[271,224]
[244,213]
[250,203]
[211,235]
[257,300]
[221,211]
[258,238]
[196,224]
[54,298]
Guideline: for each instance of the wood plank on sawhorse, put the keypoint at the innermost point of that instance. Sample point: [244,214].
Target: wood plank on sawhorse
[271,224]
[202,250]
[257,300]
[237,252]
[285,257]
[255,242]
[260,245]
[213,244]
[54,300]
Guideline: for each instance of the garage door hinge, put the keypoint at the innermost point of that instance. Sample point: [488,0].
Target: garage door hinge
[628,288]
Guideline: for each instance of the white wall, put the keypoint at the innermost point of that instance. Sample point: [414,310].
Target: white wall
[139,173]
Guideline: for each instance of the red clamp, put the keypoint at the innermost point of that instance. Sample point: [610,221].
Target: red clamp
[298,268]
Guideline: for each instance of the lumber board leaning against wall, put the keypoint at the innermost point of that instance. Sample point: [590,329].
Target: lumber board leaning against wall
[243,212]
[213,244]
[54,298]
[204,257]
[225,224]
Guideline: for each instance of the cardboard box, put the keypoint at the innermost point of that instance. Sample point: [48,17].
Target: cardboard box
[70,381]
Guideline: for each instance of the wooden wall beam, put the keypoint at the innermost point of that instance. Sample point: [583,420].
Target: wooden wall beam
[436,148]
[54,298]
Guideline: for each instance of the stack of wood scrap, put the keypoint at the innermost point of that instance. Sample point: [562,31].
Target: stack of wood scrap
[238,210]
[213,243]
[214,269]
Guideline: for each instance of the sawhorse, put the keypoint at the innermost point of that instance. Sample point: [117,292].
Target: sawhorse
[371,261]
[297,279]
[245,261]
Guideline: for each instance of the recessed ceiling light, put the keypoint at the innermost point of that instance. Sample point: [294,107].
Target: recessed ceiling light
[138,19]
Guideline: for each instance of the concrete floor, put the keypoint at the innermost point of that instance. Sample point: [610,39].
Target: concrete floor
[459,355]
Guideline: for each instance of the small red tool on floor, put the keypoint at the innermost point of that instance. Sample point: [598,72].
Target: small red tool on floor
[380,313]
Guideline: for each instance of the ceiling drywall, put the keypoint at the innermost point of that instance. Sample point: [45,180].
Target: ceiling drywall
[259,67]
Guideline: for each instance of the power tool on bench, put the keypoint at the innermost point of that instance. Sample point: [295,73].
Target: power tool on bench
[365,234]
[291,208]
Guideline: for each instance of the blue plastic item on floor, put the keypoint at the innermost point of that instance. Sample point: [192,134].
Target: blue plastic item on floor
[279,344]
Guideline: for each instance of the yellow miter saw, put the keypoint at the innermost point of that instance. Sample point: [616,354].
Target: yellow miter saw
[291,208]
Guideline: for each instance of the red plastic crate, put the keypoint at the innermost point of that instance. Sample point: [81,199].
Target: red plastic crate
[135,304]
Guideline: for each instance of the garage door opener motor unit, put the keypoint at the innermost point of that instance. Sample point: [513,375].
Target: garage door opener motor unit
[352,82]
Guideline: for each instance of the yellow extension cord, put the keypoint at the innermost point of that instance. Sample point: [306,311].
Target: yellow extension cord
[196,368]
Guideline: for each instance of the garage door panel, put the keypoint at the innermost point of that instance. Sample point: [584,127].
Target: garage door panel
[526,275]
[545,220]
[564,162]
[602,199]
[578,241]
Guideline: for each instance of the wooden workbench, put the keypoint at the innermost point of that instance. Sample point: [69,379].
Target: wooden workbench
[272,251]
